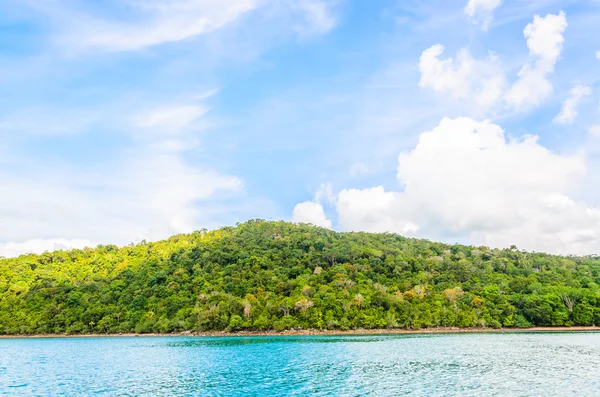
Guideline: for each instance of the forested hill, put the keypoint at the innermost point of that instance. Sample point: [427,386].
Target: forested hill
[276,275]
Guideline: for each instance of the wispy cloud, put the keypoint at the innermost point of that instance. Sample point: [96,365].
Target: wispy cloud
[569,112]
[481,11]
[151,191]
[138,24]
[318,16]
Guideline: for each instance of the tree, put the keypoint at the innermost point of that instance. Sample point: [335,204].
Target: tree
[276,275]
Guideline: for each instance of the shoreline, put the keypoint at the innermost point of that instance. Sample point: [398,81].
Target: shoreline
[315,332]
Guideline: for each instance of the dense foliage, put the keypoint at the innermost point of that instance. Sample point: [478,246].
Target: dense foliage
[276,275]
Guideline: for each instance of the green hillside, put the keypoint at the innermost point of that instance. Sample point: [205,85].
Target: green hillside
[276,275]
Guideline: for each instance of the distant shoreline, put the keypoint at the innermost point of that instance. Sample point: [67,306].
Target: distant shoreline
[315,332]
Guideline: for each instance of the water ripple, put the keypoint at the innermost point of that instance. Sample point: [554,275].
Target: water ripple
[431,365]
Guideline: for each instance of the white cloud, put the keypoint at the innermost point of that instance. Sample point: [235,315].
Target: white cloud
[170,119]
[317,15]
[482,11]
[463,77]
[372,210]
[568,112]
[9,250]
[466,181]
[597,54]
[358,169]
[544,40]
[152,191]
[545,36]
[311,212]
[162,185]
[483,81]
[594,130]
[325,194]
[139,24]
[159,181]
[155,22]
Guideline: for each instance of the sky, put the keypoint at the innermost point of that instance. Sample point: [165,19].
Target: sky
[463,121]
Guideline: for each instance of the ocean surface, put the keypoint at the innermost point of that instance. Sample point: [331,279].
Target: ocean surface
[524,364]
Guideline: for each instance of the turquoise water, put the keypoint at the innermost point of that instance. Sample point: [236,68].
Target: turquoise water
[558,364]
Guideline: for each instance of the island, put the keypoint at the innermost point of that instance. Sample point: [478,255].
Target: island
[263,277]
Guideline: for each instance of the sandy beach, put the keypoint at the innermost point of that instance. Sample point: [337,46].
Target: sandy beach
[316,332]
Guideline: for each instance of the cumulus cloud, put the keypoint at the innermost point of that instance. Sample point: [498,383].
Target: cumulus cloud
[311,212]
[544,40]
[481,11]
[597,54]
[462,77]
[484,81]
[372,210]
[568,112]
[467,181]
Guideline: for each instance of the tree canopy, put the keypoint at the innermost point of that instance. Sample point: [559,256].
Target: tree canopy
[275,275]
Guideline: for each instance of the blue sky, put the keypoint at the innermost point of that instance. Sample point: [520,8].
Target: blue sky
[472,121]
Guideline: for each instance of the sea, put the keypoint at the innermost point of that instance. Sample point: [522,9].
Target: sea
[490,364]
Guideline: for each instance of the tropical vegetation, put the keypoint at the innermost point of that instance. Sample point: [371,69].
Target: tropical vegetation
[276,276]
